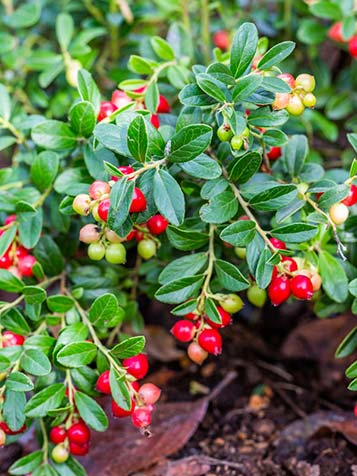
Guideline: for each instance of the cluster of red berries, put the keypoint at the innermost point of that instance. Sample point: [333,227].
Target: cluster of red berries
[70,438]
[335,33]
[104,242]
[339,212]
[301,94]
[203,333]
[121,99]
[288,279]
[143,397]
[16,259]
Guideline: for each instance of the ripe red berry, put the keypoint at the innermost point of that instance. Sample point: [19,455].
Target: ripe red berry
[301,287]
[119,412]
[335,32]
[279,245]
[221,39]
[279,290]
[157,224]
[289,263]
[226,319]
[10,219]
[120,98]
[141,417]
[10,339]
[58,434]
[191,316]
[131,235]
[25,265]
[155,121]
[183,330]
[150,393]
[103,384]
[103,209]
[5,261]
[352,46]
[106,109]
[163,106]
[355,410]
[288,78]
[98,189]
[78,450]
[125,170]
[211,341]
[21,252]
[135,385]
[137,366]
[138,203]
[4,427]
[274,153]
[79,433]
[351,198]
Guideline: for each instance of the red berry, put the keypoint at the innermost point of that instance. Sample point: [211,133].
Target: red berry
[78,450]
[8,431]
[141,417]
[120,98]
[89,233]
[221,39]
[106,109]
[138,203]
[157,224]
[25,265]
[279,245]
[279,290]
[191,316]
[355,410]
[10,339]
[196,353]
[244,217]
[183,330]
[163,106]
[79,433]
[155,121]
[103,209]
[2,438]
[5,261]
[301,287]
[98,189]
[150,393]
[211,341]
[125,170]
[10,219]
[21,252]
[131,235]
[288,78]
[137,366]
[351,198]
[119,412]
[139,235]
[335,32]
[289,263]
[225,317]
[352,46]
[103,384]
[274,153]
[58,434]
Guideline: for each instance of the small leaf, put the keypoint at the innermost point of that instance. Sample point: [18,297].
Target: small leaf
[91,412]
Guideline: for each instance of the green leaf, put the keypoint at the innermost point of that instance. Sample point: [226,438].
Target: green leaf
[229,276]
[5,103]
[212,311]
[13,409]
[274,198]
[243,50]
[82,118]
[64,30]
[70,468]
[54,135]
[264,269]
[44,169]
[47,399]
[152,97]
[119,390]
[30,224]
[35,362]
[88,90]
[295,154]
[214,88]
[239,233]
[334,279]
[6,239]
[352,287]
[192,95]
[9,282]
[220,209]
[77,354]
[138,138]
[129,347]
[202,167]
[27,464]
[265,117]
[348,345]
[48,254]
[186,239]
[26,15]
[351,371]
[140,65]
[121,197]
[245,87]
[177,291]
[243,168]
[189,142]
[103,309]
[91,412]
[60,303]
[295,233]
[168,197]
[34,294]
[19,382]
[184,266]
[162,48]
[326,9]
[276,54]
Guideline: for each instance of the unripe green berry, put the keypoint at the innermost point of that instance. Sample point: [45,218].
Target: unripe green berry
[224,132]
[96,251]
[256,295]
[95,213]
[306,82]
[231,303]
[60,454]
[147,248]
[240,252]
[246,132]
[295,106]
[115,253]
[309,100]
[236,142]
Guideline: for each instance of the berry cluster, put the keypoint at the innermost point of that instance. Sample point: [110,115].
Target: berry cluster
[104,242]
[72,437]
[202,332]
[121,99]
[335,33]
[16,259]
[143,397]
[339,212]
[300,96]
[225,134]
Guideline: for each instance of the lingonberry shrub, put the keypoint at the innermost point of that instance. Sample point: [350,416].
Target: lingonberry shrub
[191,184]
